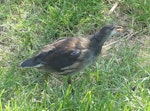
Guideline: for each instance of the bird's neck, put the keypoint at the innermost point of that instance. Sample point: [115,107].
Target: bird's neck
[97,42]
[98,39]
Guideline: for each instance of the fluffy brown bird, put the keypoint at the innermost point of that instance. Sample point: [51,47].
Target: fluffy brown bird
[71,55]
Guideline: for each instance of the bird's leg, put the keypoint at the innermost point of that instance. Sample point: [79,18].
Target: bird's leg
[70,83]
[46,77]
[69,80]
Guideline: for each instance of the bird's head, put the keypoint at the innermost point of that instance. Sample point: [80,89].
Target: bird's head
[109,30]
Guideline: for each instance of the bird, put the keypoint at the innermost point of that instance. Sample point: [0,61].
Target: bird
[69,56]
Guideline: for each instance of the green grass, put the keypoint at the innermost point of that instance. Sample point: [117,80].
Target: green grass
[118,82]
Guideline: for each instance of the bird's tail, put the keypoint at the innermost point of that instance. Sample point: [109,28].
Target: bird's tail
[30,63]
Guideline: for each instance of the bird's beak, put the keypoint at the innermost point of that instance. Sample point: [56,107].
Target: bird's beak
[118,28]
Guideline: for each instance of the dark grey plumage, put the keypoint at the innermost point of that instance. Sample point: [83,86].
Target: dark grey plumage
[71,55]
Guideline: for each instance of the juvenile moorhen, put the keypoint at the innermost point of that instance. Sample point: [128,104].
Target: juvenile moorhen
[71,55]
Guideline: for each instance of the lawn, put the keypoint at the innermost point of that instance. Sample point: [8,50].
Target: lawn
[118,81]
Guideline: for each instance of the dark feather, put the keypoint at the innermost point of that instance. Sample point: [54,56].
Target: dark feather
[61,59]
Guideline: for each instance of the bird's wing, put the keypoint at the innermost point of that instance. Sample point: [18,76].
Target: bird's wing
[62,54]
